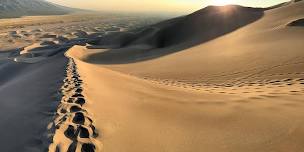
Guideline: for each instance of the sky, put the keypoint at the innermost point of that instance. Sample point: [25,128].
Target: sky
[171,6]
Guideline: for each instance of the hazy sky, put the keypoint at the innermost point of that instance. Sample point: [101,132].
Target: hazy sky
[158,5]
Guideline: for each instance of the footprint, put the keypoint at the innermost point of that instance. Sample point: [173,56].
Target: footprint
[80,101]
[83,132]
[88,148]
[70,100]
[79,118]
[77,85]
[71,132]
[73,147]
[77,95]
[288,79]
[75,109]
[63,111]
[95,133]
[79,90]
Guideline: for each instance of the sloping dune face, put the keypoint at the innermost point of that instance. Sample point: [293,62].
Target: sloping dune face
[262,48]
[237,89]
[176,34]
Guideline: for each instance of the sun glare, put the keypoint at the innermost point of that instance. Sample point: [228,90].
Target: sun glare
[222,2]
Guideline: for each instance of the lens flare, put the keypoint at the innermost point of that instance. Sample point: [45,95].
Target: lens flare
[222,2]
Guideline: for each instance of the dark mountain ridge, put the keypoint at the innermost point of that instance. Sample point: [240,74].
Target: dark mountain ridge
[18,8]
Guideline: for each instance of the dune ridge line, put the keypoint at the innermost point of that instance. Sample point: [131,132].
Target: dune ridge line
[74,128]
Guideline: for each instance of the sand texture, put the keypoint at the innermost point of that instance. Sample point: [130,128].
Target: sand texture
[224,78]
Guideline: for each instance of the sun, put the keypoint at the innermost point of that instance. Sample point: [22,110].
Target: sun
[221,2]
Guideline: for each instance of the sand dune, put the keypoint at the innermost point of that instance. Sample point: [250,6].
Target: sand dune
[247,52]
[25,112]
[226,78]
[196,28]
[175,87]
[34,85]
[191,32]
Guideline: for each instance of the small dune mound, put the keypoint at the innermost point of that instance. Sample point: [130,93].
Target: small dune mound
[113,29]
[115,40]
[48,43]
[299,22]
[80,33]
[37,30]
[37,52]
[12,32]
[16,36]
[48,35]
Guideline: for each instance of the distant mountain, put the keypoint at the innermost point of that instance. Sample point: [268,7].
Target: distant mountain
[18,8]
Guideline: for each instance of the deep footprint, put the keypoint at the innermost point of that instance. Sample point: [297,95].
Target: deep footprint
[80,101]
[88,148]
[77,95]
[83,132]
[79,118]
[71,132]
[75,109]
[73,147]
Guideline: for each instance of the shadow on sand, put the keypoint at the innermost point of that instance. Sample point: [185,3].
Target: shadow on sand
[173,35]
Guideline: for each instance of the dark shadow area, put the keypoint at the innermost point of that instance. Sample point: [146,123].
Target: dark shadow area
[299,22]
[173,35]
[28,92]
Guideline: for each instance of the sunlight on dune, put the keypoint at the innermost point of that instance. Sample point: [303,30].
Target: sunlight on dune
[222,2]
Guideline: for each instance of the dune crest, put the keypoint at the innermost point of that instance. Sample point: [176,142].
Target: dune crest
[175,35]
[237,89]
[74,128]
[224,78]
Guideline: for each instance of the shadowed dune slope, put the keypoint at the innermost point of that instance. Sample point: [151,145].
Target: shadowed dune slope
[28,99]
[265,46]
[240,91]
[175,34]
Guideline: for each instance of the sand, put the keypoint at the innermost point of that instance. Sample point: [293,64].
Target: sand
[33,78]
[28,101]
[239,91]
[220,79]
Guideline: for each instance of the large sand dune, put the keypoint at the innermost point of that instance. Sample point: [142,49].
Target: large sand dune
[174,35]
[182,85]
[226,78]
[35,81]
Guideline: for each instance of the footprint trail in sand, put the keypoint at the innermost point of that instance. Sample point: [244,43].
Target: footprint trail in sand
[74,128]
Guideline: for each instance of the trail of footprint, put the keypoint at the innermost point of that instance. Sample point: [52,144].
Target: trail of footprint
[72,123]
